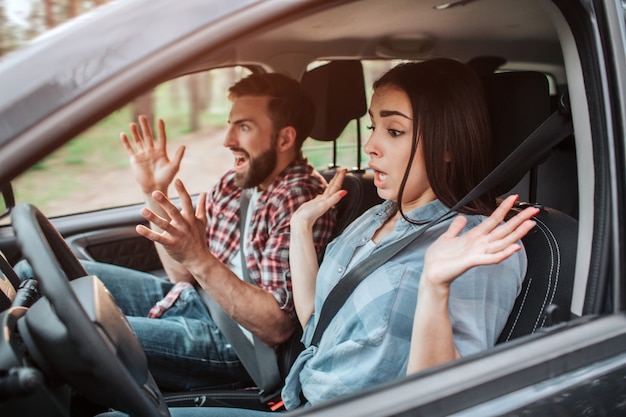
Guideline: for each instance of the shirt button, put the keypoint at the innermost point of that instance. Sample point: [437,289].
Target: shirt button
[340,269]
[220,215]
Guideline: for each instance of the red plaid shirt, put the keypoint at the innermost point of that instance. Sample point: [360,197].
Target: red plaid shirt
[268,238]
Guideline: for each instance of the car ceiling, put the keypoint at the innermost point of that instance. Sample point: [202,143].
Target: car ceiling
[518,30]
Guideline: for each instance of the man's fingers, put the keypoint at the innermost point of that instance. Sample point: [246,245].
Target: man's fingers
[152,235]
[126,144]
[185,198]
[178,156]
[137,139]
[201,207]
[170,209]
[161,139]
[145,231]
[146,130]
[154,218]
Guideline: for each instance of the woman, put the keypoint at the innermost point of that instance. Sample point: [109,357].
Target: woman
[428,148]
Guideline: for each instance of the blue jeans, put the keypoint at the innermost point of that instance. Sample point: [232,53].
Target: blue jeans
[184,347]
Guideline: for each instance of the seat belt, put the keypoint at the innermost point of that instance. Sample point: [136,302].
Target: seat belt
[551,132]
[257,358]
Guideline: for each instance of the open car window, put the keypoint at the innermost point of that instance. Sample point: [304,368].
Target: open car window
[92,171]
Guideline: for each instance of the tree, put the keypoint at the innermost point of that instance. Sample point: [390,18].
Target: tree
[144,104]
[195,107]
[49,15]
[73,8]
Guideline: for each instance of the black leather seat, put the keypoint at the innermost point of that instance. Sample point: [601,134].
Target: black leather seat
[546,293]
[338,90]
[518,103]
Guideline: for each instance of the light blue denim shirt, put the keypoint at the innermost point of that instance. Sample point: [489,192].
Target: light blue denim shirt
[367,343]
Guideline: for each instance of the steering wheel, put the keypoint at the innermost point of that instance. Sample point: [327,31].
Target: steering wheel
[87,343]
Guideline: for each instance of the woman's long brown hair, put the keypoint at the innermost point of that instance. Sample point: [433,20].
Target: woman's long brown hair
[450,118]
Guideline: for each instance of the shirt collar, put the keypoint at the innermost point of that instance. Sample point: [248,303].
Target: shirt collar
[422,214]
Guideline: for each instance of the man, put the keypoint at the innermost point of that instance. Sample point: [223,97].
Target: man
[270,118]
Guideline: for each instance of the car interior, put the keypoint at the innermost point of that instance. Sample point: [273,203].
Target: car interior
[519,103]
[532,74]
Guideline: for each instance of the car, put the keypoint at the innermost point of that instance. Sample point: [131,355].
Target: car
[553,67]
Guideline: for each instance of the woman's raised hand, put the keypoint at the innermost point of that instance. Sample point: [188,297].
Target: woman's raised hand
[488,243]
[309,212]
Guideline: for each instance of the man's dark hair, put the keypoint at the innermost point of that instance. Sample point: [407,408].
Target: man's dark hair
[289,104]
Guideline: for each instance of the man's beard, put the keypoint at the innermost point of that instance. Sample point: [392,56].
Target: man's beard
[259,168]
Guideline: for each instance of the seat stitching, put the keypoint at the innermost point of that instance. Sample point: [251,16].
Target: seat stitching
[557,251]
[519,311]
[543,228]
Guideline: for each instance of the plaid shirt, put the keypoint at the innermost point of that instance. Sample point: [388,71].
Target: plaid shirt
[268,238]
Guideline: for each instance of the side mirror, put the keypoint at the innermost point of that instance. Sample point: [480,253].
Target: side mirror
[7,202]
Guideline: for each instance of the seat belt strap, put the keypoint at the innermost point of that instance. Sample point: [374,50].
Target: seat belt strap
[551,132]
[257,358]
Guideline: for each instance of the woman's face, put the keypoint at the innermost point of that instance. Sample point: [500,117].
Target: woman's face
[389,148]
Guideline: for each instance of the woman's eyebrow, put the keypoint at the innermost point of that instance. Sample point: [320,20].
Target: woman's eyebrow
[387,113]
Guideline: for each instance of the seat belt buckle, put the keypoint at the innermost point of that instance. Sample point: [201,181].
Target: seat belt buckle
[276,405]
[271,398]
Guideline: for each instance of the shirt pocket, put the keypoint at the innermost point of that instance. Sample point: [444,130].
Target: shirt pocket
[367,314]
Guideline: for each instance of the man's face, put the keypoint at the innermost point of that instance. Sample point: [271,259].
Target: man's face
[252,139]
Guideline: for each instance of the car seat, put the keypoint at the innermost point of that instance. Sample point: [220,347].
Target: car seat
[338,91]
[518,103]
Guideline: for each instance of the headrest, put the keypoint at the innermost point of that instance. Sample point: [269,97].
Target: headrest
[338,91]
[518,103]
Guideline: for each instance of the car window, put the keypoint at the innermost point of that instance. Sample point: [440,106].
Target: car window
[92,171]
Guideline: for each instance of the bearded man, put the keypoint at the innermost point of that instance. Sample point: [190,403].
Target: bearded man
[270,118]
